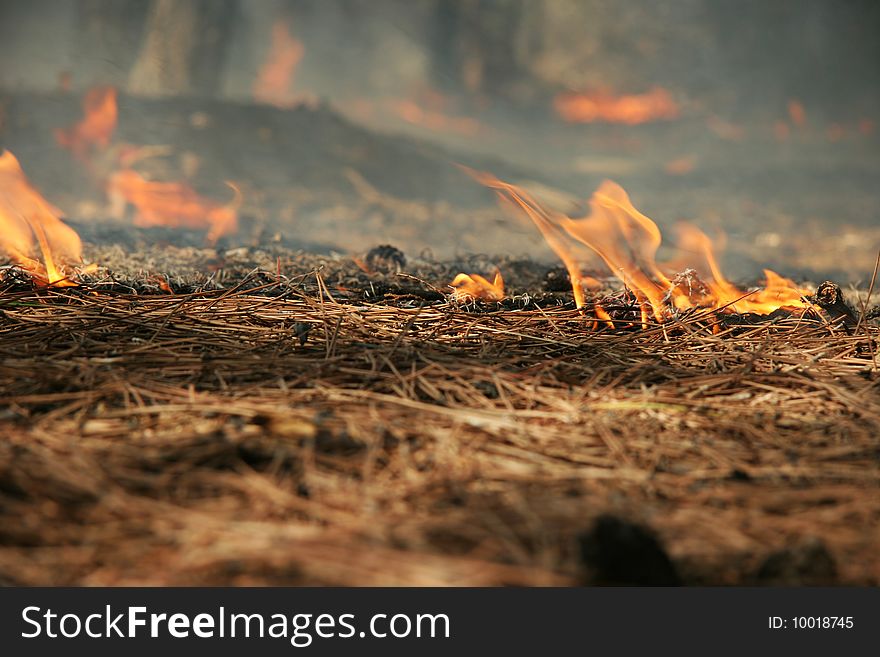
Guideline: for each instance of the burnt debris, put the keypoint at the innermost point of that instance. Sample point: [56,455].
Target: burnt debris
[806,564]
[618,552]
[385,259]
[829,297]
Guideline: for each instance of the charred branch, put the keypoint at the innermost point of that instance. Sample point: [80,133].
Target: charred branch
[829,297]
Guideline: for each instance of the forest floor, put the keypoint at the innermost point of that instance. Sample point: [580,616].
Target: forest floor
[312,423]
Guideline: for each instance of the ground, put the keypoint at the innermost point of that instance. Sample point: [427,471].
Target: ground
[264,411]
[314,424]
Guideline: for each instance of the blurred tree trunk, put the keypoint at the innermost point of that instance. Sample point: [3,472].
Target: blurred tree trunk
[105,30]
[476,42]
[184,48]
[523,49]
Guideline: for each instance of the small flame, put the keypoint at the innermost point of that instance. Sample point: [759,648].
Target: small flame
[545,222]
[614,230]
[173,204]
[602,105]
[27,220]
[797,113]
[274,84]
[777,292]
[471,287]
[601,314]
[97,126]
[627,241]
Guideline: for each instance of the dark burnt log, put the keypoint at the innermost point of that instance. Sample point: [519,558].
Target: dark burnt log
[618,552]
[829,297]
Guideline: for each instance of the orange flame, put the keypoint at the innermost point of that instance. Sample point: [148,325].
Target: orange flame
[614,230]
[26,217]
[96,128]
[173,204]
[601,105]
[778,291]
[545,222]
[627,241]
[797,113]
[472,287]
[274,84]
[601,314]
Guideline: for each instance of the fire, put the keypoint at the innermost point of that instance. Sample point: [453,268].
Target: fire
[778,291]
[28,221]
[544,220]
[797,113]
[602,105]
[618,233]
[627,242]
[97,126]
[472,287]
[173,204]
[274,84]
